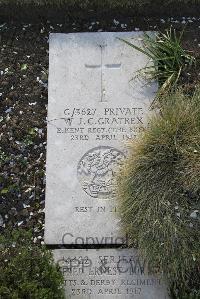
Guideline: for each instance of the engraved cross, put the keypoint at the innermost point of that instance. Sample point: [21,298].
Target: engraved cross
[102,67]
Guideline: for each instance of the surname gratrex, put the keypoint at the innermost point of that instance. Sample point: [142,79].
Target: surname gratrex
[108,121]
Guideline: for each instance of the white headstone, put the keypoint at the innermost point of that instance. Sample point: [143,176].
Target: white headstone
[108,273]
[95,105]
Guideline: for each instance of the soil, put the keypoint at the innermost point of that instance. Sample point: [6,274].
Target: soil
[23,107]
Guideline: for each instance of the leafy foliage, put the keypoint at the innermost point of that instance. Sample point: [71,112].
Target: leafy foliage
[27,271]
[169,58]
[159,189]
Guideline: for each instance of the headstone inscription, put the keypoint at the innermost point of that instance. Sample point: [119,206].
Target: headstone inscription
[95,106]
[108,273]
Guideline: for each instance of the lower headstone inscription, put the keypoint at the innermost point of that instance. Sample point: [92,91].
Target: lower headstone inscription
[108,273]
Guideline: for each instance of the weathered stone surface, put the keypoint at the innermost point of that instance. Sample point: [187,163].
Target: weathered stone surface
[108,273]
[95,105]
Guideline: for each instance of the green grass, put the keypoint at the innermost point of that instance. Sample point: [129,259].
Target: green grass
[159,188]
[170,59]
[27,270]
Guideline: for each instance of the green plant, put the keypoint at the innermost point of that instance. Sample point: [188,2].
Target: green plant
[3,157]
[169,58]
[27,270]
[29,138]
[159,189]
[191,288]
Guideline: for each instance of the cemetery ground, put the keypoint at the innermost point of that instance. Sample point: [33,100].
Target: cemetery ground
[23,108]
